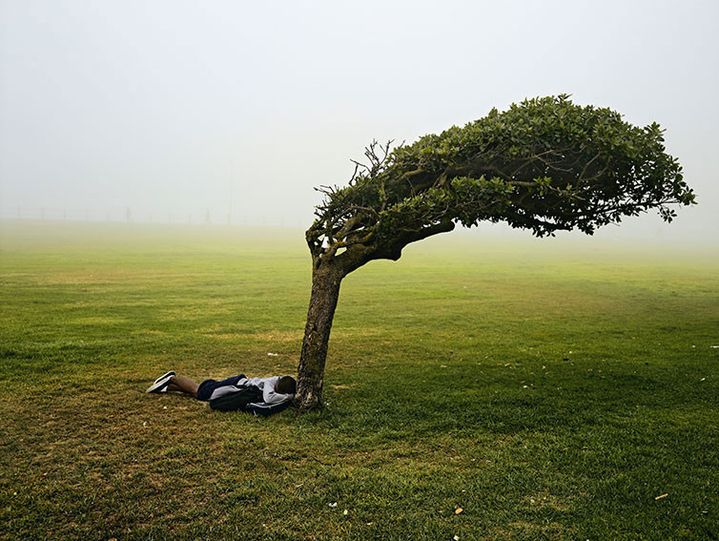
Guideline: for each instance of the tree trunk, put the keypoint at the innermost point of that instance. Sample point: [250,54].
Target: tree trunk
[326,281]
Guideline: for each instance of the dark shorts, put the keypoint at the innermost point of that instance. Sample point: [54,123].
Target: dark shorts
[207,387]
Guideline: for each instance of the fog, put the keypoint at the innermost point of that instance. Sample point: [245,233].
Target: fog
[221,111]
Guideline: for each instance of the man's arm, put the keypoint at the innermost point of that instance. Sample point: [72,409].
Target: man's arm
[269,396]
[264,409]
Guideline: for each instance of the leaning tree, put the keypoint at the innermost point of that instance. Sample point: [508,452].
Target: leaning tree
[545,165]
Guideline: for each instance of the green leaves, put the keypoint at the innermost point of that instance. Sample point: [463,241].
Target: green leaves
[544,164]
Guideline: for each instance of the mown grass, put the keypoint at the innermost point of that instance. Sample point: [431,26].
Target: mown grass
[552,390]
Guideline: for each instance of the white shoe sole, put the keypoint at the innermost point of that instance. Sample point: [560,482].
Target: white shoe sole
[160,385]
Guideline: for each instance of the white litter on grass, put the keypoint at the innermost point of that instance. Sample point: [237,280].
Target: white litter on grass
[144,423]
[456,538]
[346,512]
[703,379]
[273,354]
[714,347]
[333,504]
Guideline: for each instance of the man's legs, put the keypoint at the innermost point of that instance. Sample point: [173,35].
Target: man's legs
[183,384]
[203,391]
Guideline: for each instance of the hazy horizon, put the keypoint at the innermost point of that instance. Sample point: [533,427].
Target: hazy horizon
[232,112]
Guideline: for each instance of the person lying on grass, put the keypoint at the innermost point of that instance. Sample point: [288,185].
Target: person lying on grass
[260,396]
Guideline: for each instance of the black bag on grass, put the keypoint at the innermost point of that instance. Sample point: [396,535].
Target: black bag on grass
[237,400]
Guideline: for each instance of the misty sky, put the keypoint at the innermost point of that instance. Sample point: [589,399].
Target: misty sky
[174,108]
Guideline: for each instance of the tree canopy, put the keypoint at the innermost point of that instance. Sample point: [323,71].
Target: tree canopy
[544,165]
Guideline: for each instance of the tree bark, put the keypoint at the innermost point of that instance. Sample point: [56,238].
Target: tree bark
[326,279]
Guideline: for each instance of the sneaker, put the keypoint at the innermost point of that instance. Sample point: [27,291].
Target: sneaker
[163,376]
[161,383]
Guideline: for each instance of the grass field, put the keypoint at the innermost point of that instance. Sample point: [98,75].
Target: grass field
[549,389]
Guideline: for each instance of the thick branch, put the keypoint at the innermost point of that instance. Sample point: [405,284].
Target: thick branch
[393,250]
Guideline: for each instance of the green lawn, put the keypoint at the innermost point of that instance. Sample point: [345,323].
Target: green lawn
[550,389]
